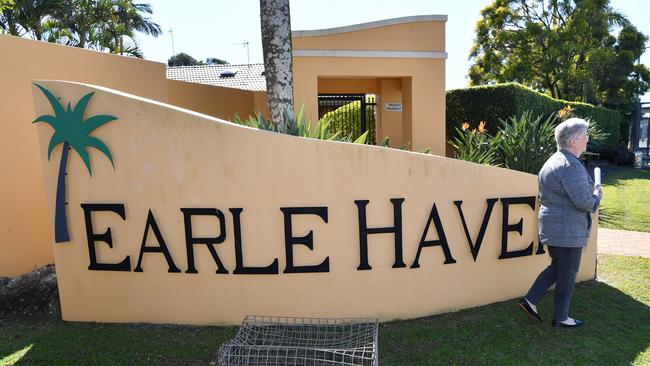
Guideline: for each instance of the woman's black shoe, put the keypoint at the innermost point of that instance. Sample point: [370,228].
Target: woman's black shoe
[532,314]
[578,323]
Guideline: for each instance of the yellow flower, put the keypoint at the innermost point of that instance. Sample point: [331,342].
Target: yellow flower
[464,126]
[481,127]
[565,112]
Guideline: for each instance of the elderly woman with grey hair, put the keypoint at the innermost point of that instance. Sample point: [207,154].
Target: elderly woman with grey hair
[568,196]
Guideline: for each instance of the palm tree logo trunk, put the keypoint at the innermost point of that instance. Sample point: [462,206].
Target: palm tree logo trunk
[60,217]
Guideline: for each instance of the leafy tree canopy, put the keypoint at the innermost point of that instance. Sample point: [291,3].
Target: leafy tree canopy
[106,25]
[215,61]
[183,59]
[565,48]
[4,4]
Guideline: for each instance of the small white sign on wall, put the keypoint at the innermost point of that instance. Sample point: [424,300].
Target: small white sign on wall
[393,107]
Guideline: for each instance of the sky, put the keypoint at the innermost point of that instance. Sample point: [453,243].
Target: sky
[218,28]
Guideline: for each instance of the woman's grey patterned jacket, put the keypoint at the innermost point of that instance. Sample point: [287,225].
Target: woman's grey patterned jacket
[567,199]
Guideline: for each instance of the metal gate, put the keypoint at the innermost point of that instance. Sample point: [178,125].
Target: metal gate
[349,114]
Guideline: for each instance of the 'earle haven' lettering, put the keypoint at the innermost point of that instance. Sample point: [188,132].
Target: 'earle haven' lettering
[154,245]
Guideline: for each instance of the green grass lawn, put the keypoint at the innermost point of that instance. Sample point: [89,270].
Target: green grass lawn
[626,200]
[42,342]
[616,308]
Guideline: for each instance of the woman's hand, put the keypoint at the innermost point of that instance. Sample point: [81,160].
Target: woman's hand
[598,191]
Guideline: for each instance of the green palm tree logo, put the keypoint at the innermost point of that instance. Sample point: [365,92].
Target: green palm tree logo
[73,131]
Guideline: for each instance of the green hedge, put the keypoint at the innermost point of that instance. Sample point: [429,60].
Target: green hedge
[491,102]
[347,119]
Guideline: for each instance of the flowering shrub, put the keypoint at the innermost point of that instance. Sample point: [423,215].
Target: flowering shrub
[522,143]
[474,145]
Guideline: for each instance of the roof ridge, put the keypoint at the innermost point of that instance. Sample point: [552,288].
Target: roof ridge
[218,65]
[369,25]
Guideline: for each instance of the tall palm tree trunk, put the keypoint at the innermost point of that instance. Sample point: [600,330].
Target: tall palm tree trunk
[38,30]
[60,218]
[276,43]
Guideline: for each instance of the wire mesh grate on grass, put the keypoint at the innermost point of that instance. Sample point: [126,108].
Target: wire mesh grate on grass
[267,340]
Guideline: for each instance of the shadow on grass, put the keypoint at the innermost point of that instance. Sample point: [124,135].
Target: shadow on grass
[610,217]
[616,333]
[620,177]
[625,200]
[67,343]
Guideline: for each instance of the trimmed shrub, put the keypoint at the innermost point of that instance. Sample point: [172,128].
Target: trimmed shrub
[490,103]
[297,126]
[347,119]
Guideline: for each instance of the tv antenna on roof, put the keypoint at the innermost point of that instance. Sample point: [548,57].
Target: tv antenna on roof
[248,56]
[171,33]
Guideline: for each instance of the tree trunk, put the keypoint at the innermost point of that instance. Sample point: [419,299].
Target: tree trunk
[82,39]
[11,24]
[38,30]
[276,43]
[60,218]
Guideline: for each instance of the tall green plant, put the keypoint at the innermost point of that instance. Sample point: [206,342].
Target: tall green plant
[525,143]
[406,146]
[474,145]
[297,126]
[522,142]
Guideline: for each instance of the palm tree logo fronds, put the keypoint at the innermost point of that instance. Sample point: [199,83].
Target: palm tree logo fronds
[71,129]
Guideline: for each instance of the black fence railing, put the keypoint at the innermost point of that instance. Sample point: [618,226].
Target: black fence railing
[349,114]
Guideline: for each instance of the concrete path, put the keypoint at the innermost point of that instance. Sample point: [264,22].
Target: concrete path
[622,242]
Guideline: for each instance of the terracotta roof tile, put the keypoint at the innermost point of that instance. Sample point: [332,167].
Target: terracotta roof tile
[246,77]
